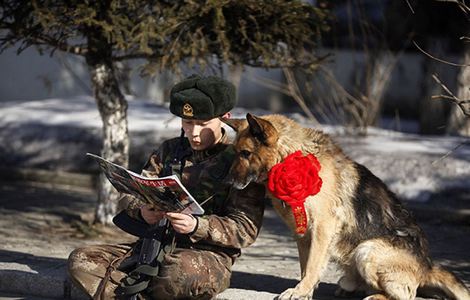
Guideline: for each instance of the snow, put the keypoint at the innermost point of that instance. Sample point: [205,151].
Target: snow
[413,166]
[82,112]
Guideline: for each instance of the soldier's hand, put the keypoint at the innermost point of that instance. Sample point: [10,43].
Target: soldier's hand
[182,223]
[150,215]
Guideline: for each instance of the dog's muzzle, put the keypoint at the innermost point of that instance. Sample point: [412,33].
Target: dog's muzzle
[241,185]
[230,179]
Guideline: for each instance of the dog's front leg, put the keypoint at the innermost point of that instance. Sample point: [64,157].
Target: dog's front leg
[303,247]
[316,261]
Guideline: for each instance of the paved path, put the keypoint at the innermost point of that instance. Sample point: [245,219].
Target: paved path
[40,226]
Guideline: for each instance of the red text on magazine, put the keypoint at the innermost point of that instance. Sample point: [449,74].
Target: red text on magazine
[156,183]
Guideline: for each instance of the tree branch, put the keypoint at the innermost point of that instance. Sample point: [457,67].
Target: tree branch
[461,4]
[438,59]
[140,55]
[461,103]
[290,89]
[32,38]
[297,95]
[411,7]
[306,64]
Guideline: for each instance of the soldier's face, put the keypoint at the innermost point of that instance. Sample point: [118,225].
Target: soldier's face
[202,134]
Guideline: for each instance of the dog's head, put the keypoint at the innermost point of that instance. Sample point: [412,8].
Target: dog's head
[255,147]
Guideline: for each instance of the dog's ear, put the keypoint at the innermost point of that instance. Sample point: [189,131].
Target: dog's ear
[262,130]
[235,124]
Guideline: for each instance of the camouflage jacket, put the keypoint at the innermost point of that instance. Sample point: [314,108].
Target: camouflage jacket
[232,218]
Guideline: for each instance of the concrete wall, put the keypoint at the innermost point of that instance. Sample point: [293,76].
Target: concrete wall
[29,76]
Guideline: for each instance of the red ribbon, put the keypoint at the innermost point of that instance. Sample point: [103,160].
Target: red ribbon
[293,180]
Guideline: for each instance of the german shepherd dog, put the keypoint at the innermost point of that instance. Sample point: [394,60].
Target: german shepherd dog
[355,220]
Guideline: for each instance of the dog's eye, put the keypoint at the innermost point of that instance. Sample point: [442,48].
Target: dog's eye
[245,153]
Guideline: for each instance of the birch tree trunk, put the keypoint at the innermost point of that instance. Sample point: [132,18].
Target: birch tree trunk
[113,111]
[459,123]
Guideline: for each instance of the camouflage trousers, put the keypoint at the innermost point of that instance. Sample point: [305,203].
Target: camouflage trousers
[184,273]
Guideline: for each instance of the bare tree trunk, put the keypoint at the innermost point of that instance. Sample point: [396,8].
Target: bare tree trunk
[432,112]
[377,81]
[458,122]
[374,83]
[113,110]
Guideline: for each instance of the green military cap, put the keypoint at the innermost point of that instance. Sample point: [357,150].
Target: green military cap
[202,98]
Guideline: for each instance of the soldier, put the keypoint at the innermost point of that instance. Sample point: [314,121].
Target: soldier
[199,266]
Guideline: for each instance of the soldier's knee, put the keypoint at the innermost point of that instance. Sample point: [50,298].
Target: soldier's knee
[77,261]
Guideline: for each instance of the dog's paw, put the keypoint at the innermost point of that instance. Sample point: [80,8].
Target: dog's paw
[285,295]
[294,294]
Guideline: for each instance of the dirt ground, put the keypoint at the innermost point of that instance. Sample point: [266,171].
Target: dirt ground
[52,214]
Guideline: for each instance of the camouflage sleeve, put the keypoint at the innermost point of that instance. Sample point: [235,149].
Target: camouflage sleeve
[152,168]
[239,228]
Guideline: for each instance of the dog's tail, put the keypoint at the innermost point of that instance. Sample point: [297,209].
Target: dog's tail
[446,282]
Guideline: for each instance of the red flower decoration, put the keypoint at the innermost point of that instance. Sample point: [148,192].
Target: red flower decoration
[293,180]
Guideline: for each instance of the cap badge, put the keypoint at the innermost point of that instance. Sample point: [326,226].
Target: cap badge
[187,110]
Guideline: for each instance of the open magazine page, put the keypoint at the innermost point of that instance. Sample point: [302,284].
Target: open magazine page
[165,193]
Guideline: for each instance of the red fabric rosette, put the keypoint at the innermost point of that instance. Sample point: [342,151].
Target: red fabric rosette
[293,180]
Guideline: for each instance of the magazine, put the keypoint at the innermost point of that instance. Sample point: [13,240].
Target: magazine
[164,193]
